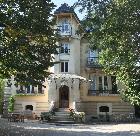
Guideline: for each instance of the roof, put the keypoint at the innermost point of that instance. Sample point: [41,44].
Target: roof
[65,8]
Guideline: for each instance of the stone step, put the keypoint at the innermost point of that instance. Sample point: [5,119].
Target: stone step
[64,122]
[62,113]
[63,109]
[62,116]
[62,119]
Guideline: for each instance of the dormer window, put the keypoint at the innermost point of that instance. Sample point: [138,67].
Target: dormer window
[65,48]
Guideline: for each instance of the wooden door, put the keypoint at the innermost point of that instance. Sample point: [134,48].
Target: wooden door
[64,97]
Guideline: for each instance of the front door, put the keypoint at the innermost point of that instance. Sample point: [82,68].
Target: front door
[64,97]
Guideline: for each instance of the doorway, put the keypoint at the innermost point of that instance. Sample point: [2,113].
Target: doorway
[64,97]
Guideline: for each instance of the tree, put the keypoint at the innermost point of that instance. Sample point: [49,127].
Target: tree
[113,26]
[27,40]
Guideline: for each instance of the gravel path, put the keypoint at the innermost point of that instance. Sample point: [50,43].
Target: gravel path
[38,129]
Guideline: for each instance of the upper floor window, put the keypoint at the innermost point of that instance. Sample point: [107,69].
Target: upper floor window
[64,66]
[65,28]
[92,57]
[65,48]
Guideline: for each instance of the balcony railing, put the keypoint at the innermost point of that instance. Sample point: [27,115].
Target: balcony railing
[64,32]
[25,92]
[93,62]
[30,90]
[103,92]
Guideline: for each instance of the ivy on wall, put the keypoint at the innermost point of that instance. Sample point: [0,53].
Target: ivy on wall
[11,104]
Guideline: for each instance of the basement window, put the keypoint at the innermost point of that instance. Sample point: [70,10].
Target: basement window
[29,107]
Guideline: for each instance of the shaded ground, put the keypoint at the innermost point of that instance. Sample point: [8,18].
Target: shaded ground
[38,129]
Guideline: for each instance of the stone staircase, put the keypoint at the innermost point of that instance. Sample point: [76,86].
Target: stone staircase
[62,116]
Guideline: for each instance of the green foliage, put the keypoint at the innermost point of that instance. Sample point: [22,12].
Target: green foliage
[78,117]
[27,40]
[1,95]
[11,103]
[46,116]
[113,27]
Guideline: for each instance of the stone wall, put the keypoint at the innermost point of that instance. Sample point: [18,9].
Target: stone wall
[92,108]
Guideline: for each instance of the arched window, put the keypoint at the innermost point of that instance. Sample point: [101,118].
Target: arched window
[103,109]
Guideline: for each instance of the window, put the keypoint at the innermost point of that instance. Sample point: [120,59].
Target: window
[104,109]
[114,85]
[100,83]
[92,57]
[64,66]
[65,48]
[92,85]
[29,89]
[103,83]
[40,89]
[29,107]
[65,27]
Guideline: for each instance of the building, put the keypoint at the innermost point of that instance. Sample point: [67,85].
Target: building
[78,81]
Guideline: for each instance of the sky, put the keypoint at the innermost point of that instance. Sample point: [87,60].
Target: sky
[70,3]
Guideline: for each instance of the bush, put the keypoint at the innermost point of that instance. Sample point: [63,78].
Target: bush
[11,104]
[46,116]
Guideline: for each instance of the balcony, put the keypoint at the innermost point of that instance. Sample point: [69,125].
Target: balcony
[30,90]
[103,93]
[65,30]
[93,62]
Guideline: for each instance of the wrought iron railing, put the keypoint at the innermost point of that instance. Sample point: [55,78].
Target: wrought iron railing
[93,62]
[102,92]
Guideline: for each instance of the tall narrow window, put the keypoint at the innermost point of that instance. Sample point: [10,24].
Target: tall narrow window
[92,85]
[28,89]
[65,27]
[64,66]
[100,83]
[32,91]
[105,83]
[39,88]
[114,85]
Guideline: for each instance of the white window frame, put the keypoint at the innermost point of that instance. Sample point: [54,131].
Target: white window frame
[93,81]
[64,46]
[93,56]
[63,25]
[64,66]
[103,83]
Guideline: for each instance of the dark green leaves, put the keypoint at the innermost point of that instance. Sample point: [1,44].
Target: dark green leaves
[28,40]
[115,30]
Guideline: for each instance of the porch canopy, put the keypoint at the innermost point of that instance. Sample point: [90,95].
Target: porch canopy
[66,76]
